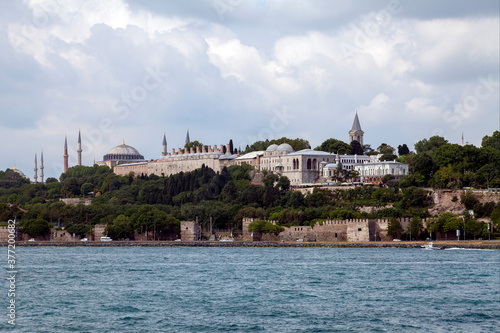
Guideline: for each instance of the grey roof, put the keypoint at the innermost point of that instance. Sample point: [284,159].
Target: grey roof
[356,125]
[252,154]
[79,137]
[272,147]
[187,137]
[285,147]
[309,152]
[164,140]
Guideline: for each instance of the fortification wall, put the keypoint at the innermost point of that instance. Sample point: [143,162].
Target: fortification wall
[190,231]
[355,230]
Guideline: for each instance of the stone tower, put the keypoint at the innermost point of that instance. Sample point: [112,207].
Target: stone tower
[36,170]
[356,133]
[79,150]
[164,146]
[41,168]
[65,156]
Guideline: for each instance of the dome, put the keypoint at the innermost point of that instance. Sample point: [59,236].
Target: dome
[285,147]
[123,152]
[19,172]
[272,147]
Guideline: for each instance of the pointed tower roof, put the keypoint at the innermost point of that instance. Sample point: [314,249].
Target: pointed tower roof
[356,126]
[65,141]
[187,137]
[79,137]
[164,140]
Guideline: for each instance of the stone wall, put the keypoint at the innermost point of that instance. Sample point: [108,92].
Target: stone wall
[190,231]
[77,201]
[356,230]
[99,231]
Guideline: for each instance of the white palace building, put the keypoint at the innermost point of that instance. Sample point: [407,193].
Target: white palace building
[306,166]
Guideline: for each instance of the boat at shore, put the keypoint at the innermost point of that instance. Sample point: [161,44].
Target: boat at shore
[431,246]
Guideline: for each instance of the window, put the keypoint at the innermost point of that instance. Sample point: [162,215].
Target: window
[359,229]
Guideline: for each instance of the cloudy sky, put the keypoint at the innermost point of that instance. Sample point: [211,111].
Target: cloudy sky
[245,70]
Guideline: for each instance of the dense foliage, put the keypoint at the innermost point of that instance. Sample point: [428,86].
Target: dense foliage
[157,204]
[440,164]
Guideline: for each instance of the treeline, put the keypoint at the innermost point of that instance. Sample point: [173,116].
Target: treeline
[440,164]
[128,204]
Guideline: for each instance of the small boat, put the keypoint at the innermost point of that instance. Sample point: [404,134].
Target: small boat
[431,246]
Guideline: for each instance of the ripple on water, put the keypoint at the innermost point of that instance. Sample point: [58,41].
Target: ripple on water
[257,289]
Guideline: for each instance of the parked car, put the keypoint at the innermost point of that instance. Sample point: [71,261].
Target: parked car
[31,240]
[84,240]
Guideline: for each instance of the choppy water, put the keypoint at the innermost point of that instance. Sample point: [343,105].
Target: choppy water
[142,289]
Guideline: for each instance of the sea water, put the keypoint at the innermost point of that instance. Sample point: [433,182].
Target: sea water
[200,289]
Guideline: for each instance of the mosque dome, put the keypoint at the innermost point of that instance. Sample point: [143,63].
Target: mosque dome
[285,147]
[272,147]
[123,152]
[19,172]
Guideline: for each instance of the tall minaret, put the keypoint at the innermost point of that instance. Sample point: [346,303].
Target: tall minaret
[187,137]
[41,168]
[79,150]
[65,153]
[164,146]
[36,170]
[356,133]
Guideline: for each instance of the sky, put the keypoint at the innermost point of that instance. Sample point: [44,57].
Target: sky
[247,70]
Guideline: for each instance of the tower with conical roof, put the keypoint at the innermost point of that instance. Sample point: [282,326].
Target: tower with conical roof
[65,156]
[187,137]
[356,133]
[164,146]
[41,168]
[79,150]
[36,170]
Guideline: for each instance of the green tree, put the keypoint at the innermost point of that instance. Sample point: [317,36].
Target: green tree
[35,227]
[429,145]
[335,146]
[384,148]
[403,150]
[492,141]
[121,228]
[416,227]
[394,228]
[357,149]
[192,144]
[86,188]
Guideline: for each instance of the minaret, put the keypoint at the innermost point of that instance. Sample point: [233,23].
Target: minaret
[187,137]
[41,168]
[79,150]
[356,133]
[164,146]
[36,170]
[65,156]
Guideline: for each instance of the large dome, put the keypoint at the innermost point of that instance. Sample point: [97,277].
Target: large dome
[272,147]
[123,152]
[285,147]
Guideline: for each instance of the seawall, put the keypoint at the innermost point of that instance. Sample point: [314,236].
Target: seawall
[445,245]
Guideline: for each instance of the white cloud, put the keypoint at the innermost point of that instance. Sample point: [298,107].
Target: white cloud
[68,66]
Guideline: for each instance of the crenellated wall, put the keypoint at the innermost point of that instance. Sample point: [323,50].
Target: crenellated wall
[355,230]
